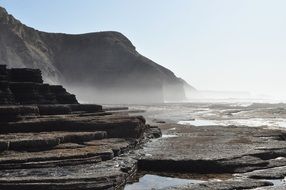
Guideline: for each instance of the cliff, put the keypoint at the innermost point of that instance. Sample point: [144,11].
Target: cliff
[98,67]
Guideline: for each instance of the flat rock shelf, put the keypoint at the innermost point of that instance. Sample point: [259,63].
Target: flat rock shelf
[86,150]
[252,156]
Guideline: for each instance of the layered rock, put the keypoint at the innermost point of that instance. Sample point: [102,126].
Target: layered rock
[56,143]
[105,64]
[84,148]
[240,157]
[25,86]
[6,96]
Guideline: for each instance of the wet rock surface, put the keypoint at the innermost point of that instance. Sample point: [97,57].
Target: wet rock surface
[280,187]
[225,185]
[110,174]
[270,173]
[252,155]
[88,149]
[217,148]
[82,148]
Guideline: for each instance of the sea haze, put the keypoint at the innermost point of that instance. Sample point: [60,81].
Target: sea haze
[226,114]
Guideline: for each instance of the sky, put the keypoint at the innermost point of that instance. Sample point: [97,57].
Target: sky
[222,45]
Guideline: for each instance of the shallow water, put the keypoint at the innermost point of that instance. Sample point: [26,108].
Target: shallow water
[149,181]
[198,122]
[169,136]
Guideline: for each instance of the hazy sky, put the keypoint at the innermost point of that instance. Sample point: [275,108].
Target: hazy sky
[237,45]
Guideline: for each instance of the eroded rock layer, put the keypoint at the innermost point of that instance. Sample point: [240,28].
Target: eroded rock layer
[82,149]
[49,141]
[25,86]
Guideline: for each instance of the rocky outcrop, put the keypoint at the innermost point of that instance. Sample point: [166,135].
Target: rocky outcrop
[214,149]
[224,185]
[250,157]
[104,64]
[85,148]
[25,86]
[56,143]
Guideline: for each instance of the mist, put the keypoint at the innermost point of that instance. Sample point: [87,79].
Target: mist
[128,95]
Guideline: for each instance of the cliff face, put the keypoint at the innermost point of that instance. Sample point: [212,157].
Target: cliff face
[99,67]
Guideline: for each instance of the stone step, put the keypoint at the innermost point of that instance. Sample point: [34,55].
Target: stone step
[12,158]
[44,141]
[88,108]
[14,112]
[39,93]
[52,163]
[60,109]
[67,154]
[26,87]
[62,96]
[54,109]
[111,174]
[72,115]
[117,145]
[116,126]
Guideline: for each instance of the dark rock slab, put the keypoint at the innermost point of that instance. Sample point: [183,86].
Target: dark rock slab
[279,187]
[12,158]
[211,149]
[26,92]
[6,96]
[25,75]
[224,185]
[118,146]
[54,109]
[111,174]
[46,109]
[25,86]
[13,113]
[279,161]
[42,141]
[62,96]
[269,173]
[87,108]
[115,125]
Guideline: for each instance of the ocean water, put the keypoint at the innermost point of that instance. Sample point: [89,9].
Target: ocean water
[225,114]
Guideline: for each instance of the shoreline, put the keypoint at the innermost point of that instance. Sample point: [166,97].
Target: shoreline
[188,157]
[248,156]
